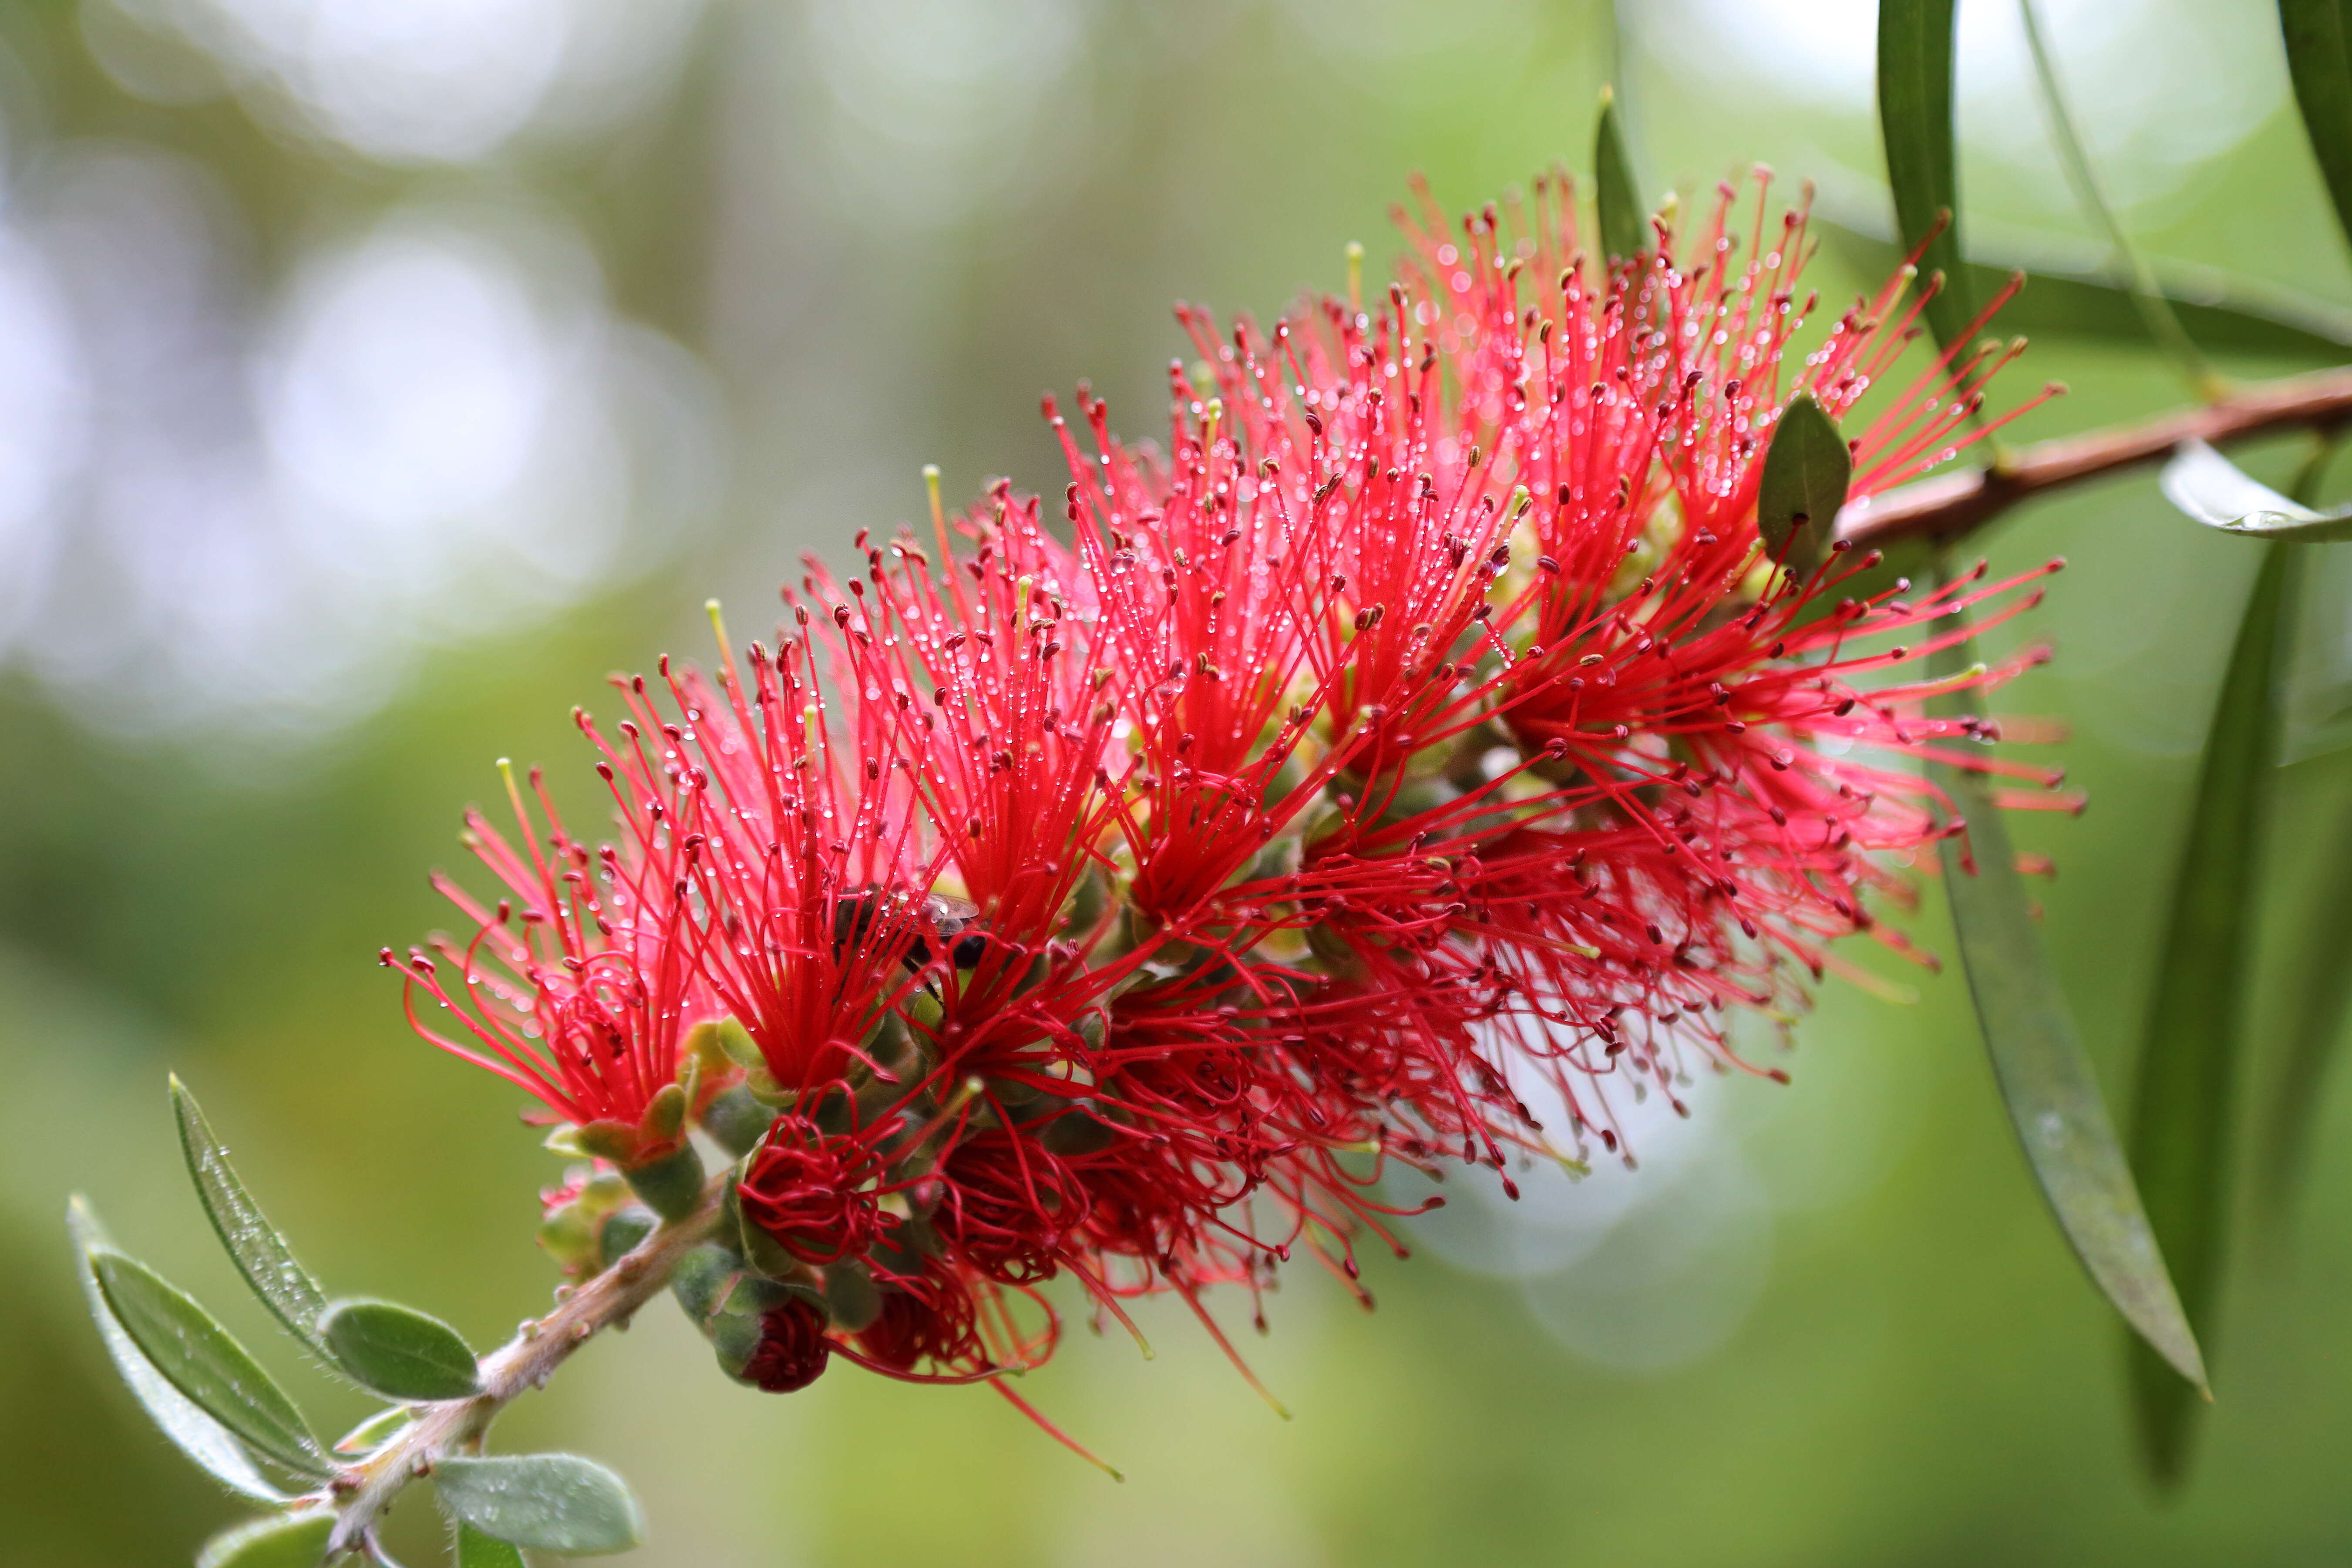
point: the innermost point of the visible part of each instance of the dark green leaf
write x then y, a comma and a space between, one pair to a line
2065, 296
1624, 229
197, 1435
2319, 57
398, 1352
281, 1541
2045, 1077
560, 1503
267, 1263
203, 1361
2319, 999
476, 1550
2188, 1052
2215, 492
1915, 120
1806, 470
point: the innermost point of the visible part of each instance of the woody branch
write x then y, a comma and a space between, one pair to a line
1950, 505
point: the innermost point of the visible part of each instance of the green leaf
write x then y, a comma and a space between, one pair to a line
2320, 999
1914, 121
1806, 470
2045, 1078
2188, 1052
198, 1435
281, 1541
560, 1503
398, 1352
2066, 296
1624, 230
475, 1550
204, 1362
2132, 273
376, 1431
2208, 487
2320, 58
284, 1286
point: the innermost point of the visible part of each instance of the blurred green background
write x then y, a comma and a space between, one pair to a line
374, 378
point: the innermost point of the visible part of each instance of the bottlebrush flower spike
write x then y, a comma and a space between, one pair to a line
1424, 739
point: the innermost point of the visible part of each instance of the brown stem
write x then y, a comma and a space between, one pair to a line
1949, 505
361, 1494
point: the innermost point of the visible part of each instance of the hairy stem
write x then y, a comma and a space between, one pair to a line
1950, 505
361, 1493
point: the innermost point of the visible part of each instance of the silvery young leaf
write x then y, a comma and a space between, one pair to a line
398, 1352
281, 1541
2065, 296
2320, 58
475, 1550
560, 1503
371, 1433
1625, 232
1914, 121
2045, 1078
1806, 470
203, 1361
2190, 1046
2208, 487
284, 1286
195, 1434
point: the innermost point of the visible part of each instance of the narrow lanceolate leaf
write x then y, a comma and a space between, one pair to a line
2190, 1050
282, 1540
1806, 470
475, 1550
558, 1502
1914, 121
1624, 229
398, 1352
202, 1361
2319, 57
284, 1286
195, 1434
2319, 1001
2045, 1077
2215, 492
2065, 296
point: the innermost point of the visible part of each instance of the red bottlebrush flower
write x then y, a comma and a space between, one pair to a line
792, 1350
1424, 729
813, 1193
579, 988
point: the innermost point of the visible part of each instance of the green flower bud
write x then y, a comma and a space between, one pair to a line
703, 1278
736, 1120
671, 1185
851, 1299
622, 1230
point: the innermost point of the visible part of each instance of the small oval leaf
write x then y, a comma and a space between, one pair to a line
282, 1540
1914, 121
261, 1253
2191, 1045
198, 1435
1806, 471
2210, 489
2319, 59
2045, 1077
204, 1362
558, 1502
398, 1352
1625, 232
475, 1550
